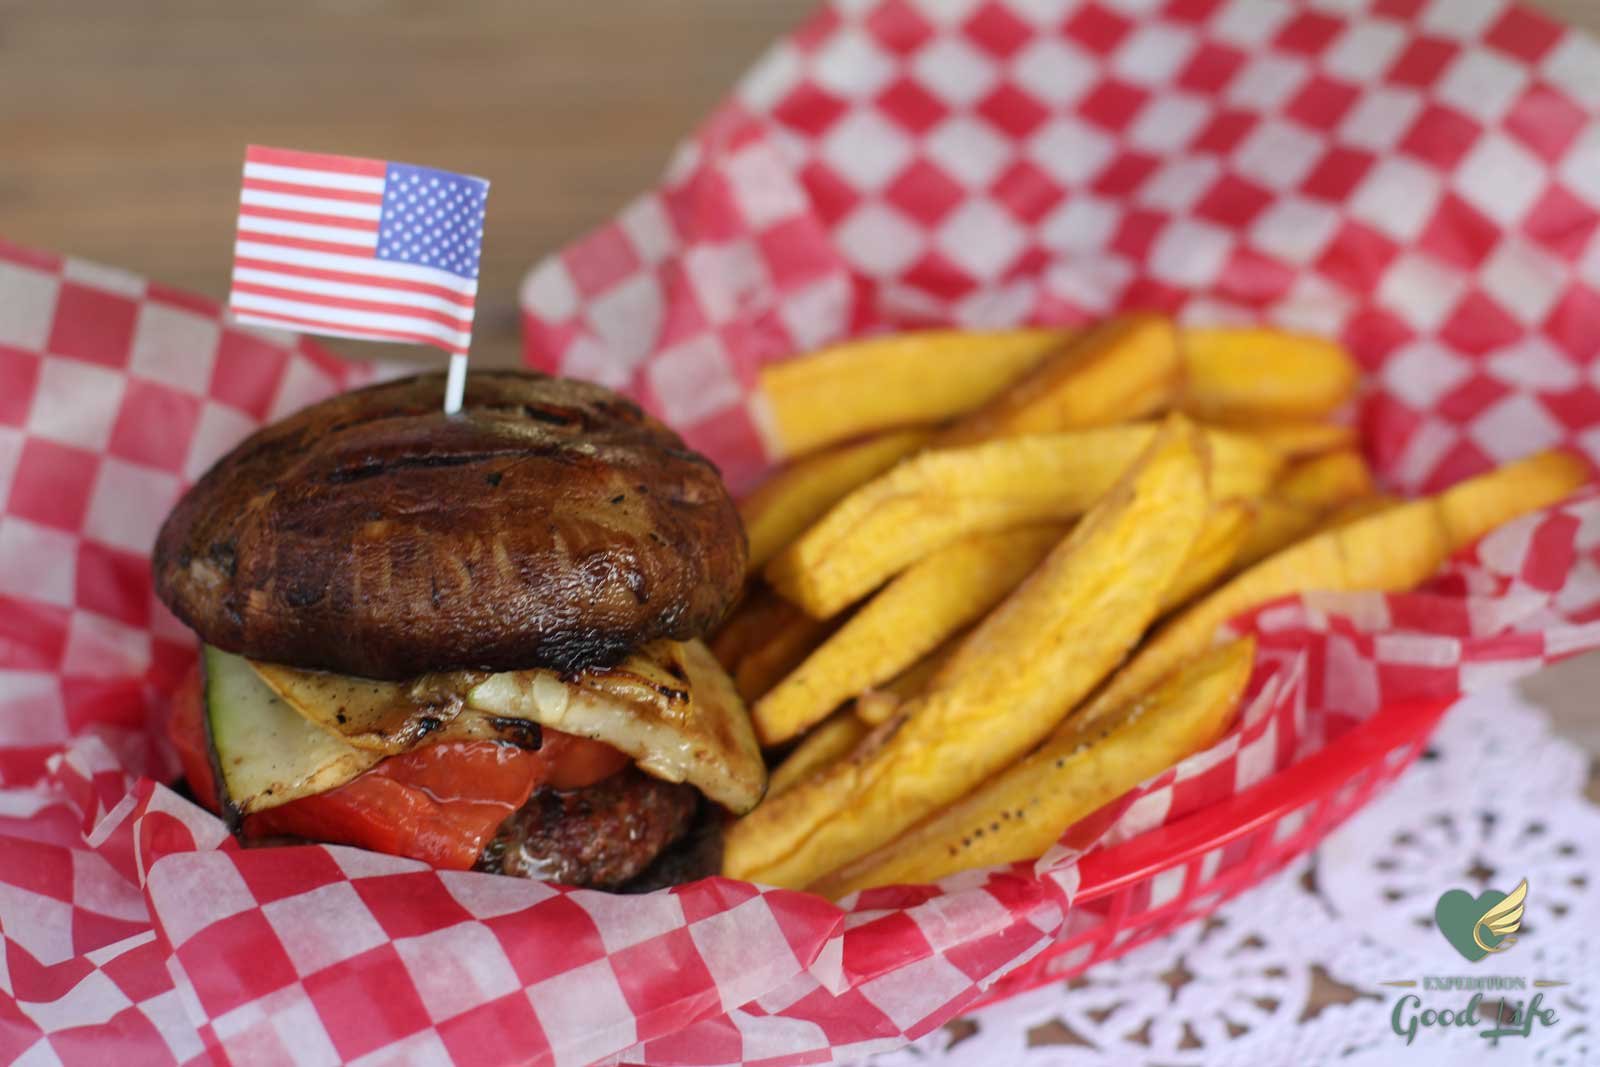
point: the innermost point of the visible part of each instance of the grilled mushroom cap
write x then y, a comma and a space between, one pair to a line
551, 524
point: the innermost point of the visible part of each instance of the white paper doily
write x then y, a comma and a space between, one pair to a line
1496, 799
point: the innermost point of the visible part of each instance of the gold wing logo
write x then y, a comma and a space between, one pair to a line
1501, 921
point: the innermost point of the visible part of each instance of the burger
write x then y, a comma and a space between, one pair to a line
471, 639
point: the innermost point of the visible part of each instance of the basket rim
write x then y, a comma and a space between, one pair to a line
1103, 872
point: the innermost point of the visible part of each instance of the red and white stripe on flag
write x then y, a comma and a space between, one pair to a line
358, 248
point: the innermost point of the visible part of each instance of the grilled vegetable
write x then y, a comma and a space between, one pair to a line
268, 755
669, 706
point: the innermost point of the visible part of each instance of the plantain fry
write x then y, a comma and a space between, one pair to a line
1212, 555
1023, 811
1296, 440
762, 667
930, 500
1278, 525
1302, 500
1068, 624
1471, 508
1263, 374
877, 705
1359, 508
907, 379
757, 619
1125, 368
872, 708
826, 743
763, 640
928, 602
789, 501
926, 747
829, 742
1395, 549
1326, 481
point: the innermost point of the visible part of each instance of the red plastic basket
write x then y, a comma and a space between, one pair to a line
1147, 887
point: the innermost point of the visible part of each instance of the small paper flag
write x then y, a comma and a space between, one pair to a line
358, 248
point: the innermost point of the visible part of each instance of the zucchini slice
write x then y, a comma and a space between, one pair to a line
266, 753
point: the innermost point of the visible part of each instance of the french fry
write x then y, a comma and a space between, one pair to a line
1212, 555
1359, 508
1297, 440
930, 500
906, 379
1007, 686
829, 742
1263, 374
761, 667
757, 619
926, 603
789, 501
1326, 481
1471, 508
1020, 813
878, 705
872, 708
1278, 525
763, 640
1393, 550
833, 738
1123, 369
1302, 499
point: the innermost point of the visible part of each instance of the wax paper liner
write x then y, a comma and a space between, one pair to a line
1418, 179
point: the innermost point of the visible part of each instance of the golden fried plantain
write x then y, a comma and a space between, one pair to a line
932, 499
1062, 630
876, 383
1021, 812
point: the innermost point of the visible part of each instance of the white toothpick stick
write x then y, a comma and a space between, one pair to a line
455, 383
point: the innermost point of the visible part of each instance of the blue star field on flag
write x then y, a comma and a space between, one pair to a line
432, 218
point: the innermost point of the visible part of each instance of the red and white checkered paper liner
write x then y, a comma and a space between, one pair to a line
1420, 179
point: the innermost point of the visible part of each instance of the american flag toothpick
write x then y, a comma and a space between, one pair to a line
360, 248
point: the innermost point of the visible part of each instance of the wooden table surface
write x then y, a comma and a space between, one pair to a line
124, 123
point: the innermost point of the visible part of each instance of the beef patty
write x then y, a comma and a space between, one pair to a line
601, 836
551, 524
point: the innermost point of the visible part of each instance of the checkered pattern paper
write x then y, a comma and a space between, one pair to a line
1420, 178
1416, 178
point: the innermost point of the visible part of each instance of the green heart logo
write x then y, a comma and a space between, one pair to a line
1477, 927
1457, 914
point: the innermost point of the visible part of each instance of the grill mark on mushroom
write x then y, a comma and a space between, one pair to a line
570, 544
377, 468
